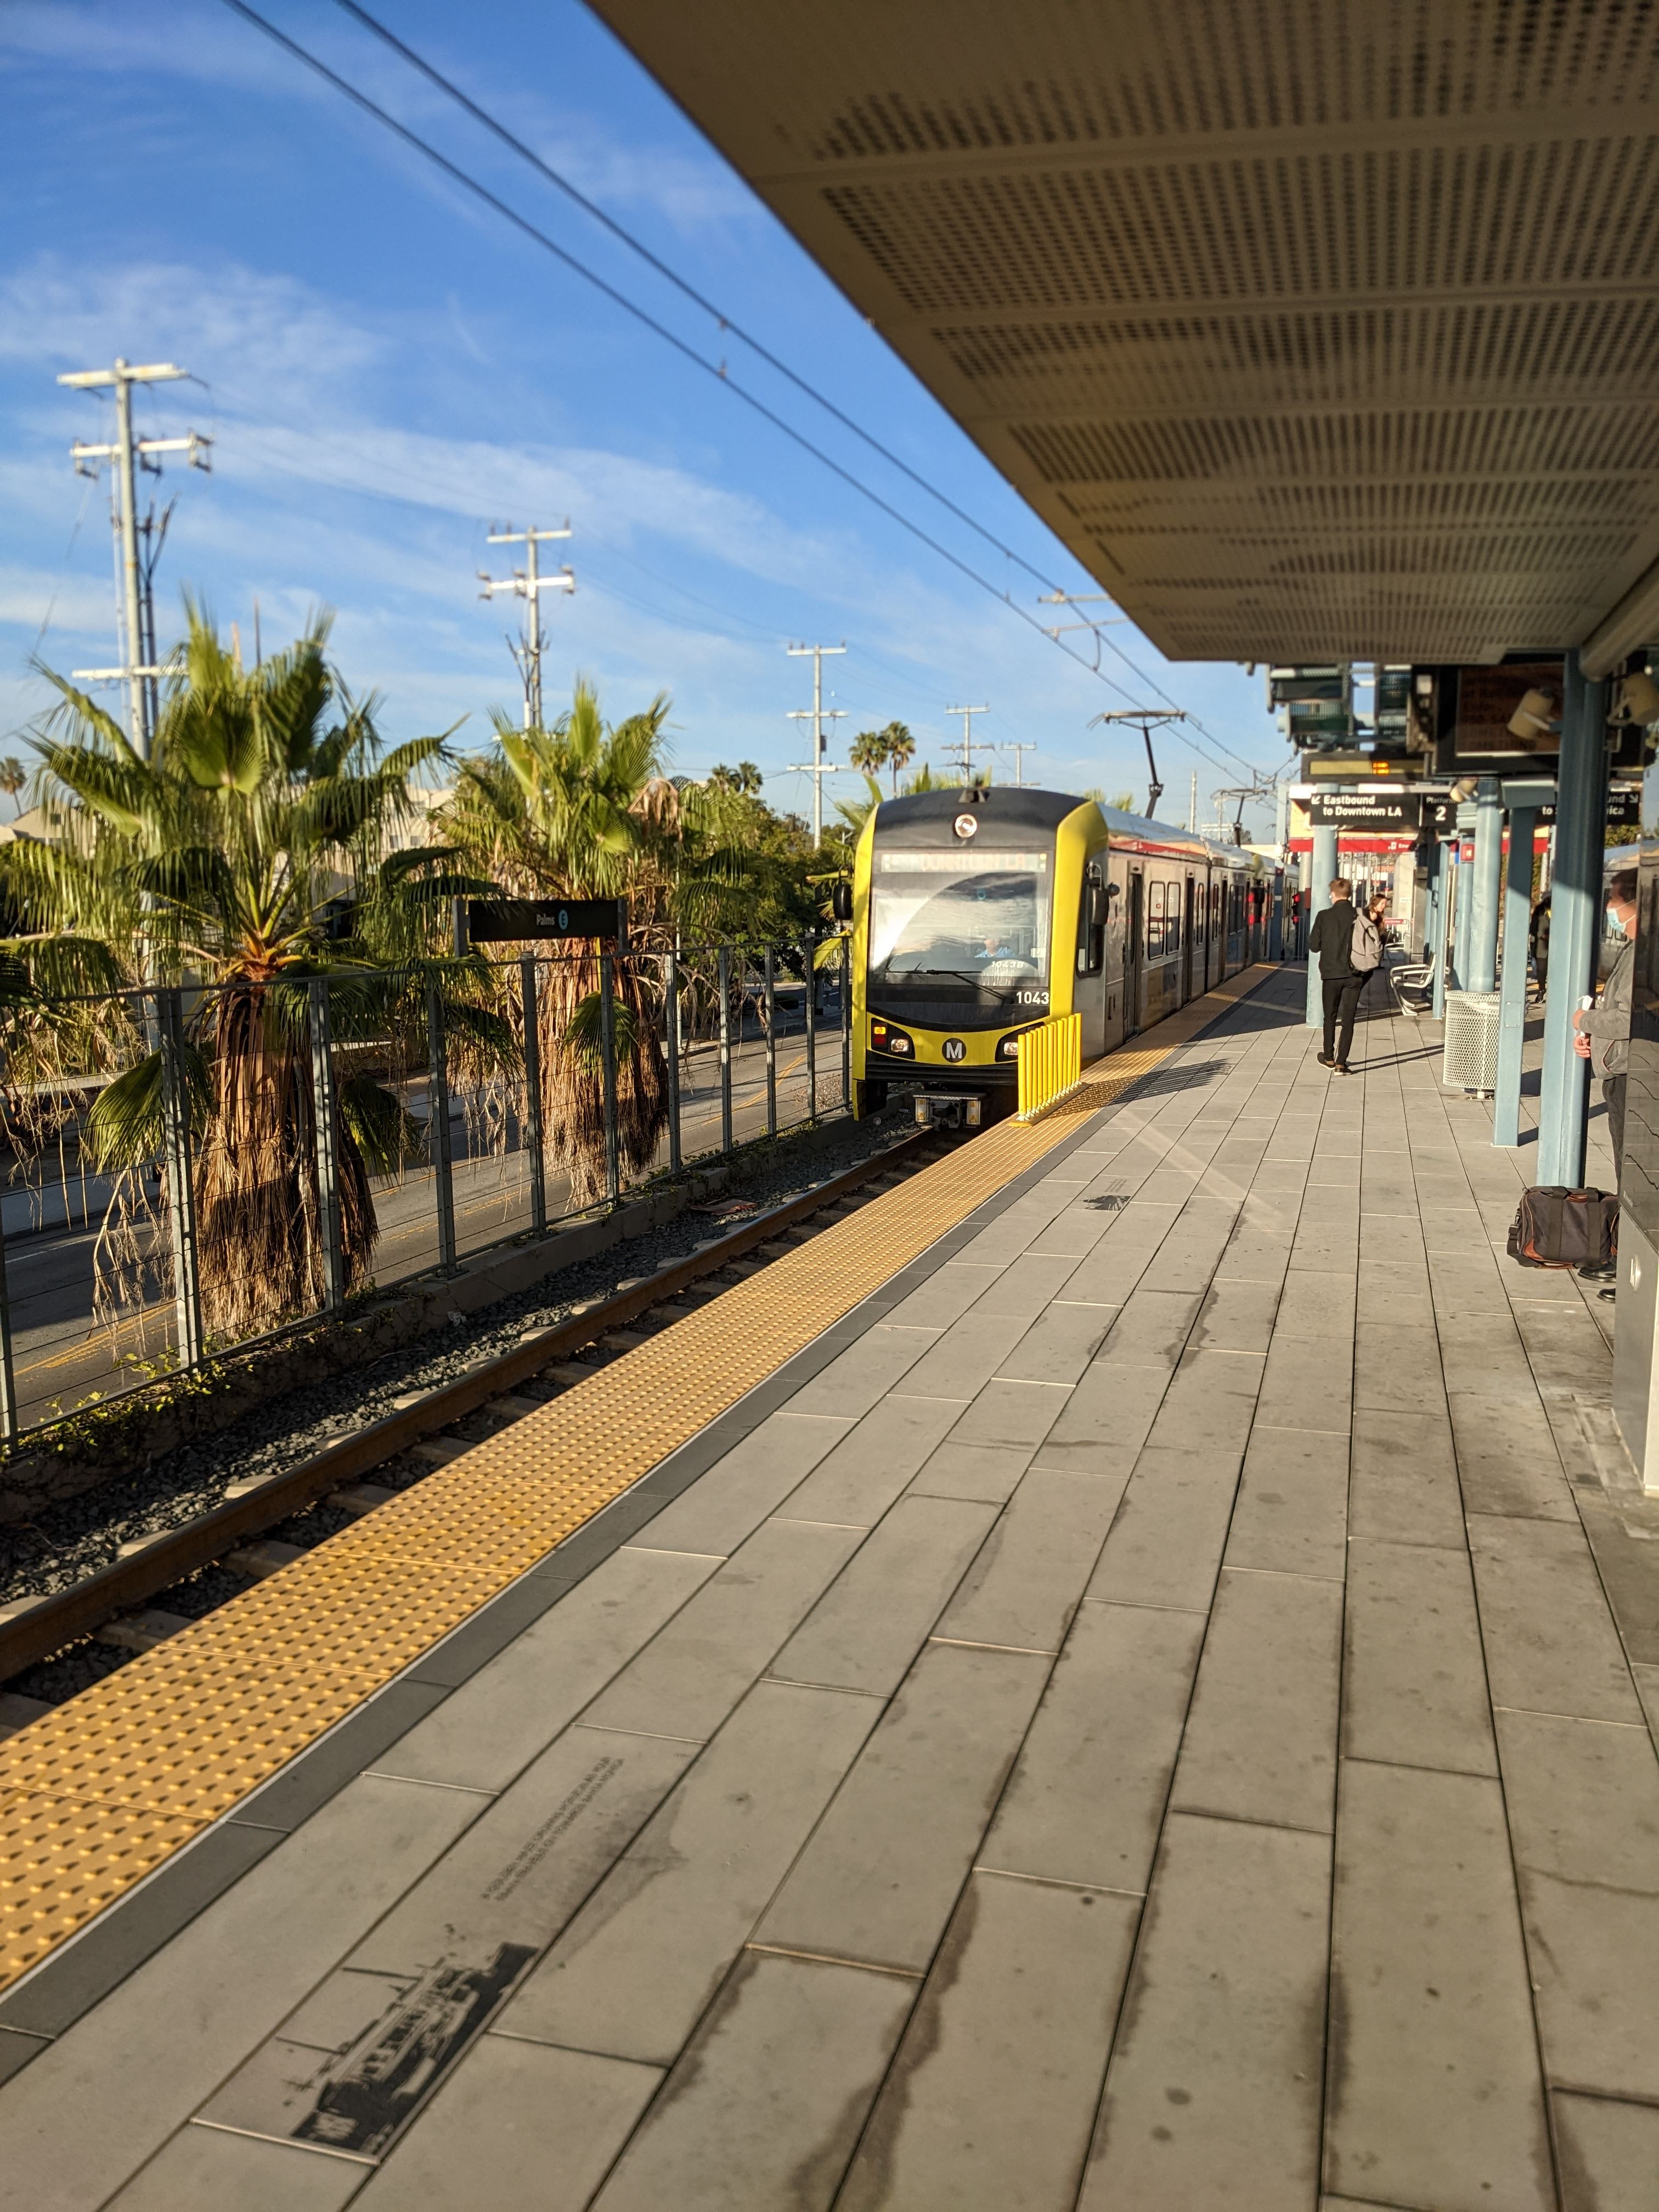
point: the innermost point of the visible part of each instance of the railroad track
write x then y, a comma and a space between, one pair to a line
112, 1606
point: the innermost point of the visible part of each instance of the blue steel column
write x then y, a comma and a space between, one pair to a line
1445, 881
1522, 800
1323, 866
1581, 809
1481, 966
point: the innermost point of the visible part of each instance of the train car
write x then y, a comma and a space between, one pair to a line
977, 912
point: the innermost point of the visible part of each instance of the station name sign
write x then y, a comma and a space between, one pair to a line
1400, 812
509, 921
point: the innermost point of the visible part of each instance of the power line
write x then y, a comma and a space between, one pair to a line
562, 183
482, 193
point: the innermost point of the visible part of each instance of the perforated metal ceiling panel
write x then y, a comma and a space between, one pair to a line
1315, 328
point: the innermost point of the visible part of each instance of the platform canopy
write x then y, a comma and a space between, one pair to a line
1314, 328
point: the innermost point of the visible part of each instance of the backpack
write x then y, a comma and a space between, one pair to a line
1365, 952
1555, 1227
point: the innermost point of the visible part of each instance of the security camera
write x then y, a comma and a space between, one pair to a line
1531, 719
1637, 699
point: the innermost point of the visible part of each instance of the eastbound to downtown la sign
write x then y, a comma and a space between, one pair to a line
1400, 812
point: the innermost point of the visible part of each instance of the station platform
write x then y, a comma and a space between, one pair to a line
1114, 1679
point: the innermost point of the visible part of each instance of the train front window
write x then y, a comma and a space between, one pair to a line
977, 918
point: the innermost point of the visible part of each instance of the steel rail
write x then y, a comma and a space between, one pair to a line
62, 1617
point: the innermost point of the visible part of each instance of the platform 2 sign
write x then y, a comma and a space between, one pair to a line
511, 921
1399, 813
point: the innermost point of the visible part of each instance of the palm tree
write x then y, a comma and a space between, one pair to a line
259, 846
13, 776
868, 752
585, 809
900, 748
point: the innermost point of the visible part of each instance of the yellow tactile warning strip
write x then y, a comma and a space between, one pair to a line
96, 1795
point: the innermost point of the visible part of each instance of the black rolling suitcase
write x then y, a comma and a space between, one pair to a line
1555, 1227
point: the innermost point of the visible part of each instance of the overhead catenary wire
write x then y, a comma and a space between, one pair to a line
482, 193
498, 130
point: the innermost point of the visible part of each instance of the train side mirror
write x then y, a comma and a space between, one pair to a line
841, 902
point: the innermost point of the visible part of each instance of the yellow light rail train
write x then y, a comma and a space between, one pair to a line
977, 912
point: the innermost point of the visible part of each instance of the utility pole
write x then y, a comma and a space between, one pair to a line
1191, 805
970, 746
817, 716
528, 584
138, 670
1019, 747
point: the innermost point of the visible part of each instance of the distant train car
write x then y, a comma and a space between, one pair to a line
978, 912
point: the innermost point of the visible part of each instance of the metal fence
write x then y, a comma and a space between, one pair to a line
520, 1095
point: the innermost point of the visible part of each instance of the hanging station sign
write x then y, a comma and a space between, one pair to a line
1397, 813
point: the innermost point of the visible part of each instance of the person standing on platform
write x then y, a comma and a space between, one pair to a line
1539, 931
1603, 1029
1331, 942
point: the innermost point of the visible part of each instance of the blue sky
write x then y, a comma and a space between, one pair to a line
386, 369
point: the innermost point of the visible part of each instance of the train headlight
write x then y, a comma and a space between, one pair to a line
1008, 1048
883, 1037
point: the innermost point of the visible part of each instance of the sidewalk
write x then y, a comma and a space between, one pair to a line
1156, 1722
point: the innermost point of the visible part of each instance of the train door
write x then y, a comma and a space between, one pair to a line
1189, 951
1118, 937
1134, 961
1089, 982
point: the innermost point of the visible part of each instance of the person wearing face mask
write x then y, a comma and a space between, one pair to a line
1603, 1030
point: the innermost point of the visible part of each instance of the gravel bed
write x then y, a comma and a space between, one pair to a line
71, 1540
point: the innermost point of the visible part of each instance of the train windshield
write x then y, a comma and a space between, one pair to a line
979, 918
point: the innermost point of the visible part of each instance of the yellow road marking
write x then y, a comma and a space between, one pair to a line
98, 1793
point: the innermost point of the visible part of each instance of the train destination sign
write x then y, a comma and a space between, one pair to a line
506, 921
1399, 812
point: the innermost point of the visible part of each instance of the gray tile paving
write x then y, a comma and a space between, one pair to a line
1434, 2094
765, 2107
1213, 2096
631, 1975
1609, 2154
519, 2127
877, 1881
204, 2170
881, 1927
992, 2094
690, 1676
1086, 1798
1261, 1738
489, 1730
867, 1628
1027, 1576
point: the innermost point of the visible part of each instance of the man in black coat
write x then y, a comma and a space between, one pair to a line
1332, 943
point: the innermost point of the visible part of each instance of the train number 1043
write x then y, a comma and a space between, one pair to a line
1033, 998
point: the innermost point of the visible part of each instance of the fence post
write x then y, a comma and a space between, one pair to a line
810, 973
723, 963
181, 1195
437, 1127
671, 968
771, 1042
532, 1094
325, 1136
9, 1421
608, 1052
846, 1021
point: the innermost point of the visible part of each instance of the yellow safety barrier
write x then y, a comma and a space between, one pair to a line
1050, 1064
